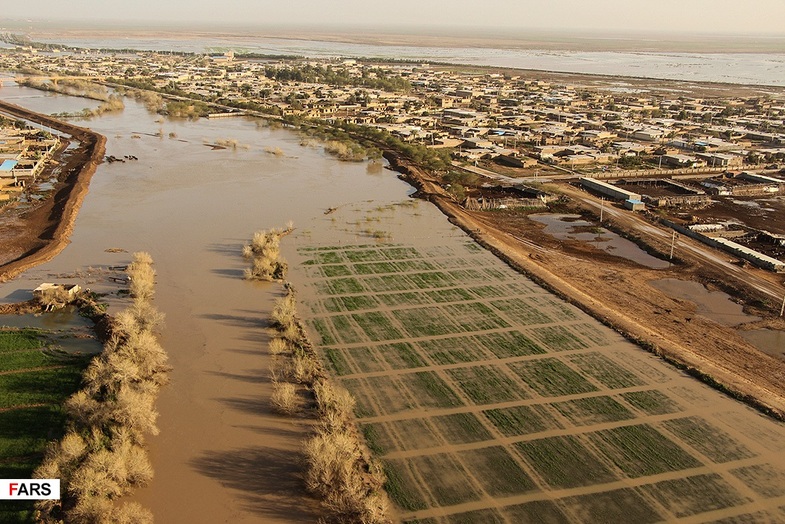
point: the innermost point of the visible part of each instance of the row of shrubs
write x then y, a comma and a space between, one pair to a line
339, 468
102, 456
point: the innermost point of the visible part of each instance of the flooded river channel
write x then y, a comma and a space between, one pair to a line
221, 455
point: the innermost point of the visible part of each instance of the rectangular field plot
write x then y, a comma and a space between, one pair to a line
354, 360
44, 386
402, 485
363, 255
486, 516
411, 266
461, 428
557, 338
377, 326
343, 286
337, 270
557, 309
605, 371
446, 480
425, 322
486, 384
401, 355
641, 450
693, 495
400, 253
652, 402
508, 344
384, 283
521, 312
539, 511
564, 462
430, 390
497, 471
764, 479
400, 435
372, 268
593, 410
551, 377
322, 327
411, 298
344, 330
377, 396
453, 350
521, 420
489, 292
712, 442
431, 280
449, 295
473, 316
623, 505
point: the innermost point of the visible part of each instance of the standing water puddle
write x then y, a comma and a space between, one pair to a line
65, 327
719, 307
573, 227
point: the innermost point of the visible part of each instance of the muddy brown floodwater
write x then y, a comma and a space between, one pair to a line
222, 455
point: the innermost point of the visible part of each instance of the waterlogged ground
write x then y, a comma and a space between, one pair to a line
491, 400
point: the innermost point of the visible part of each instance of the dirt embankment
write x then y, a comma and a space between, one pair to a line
38, 234
617, 293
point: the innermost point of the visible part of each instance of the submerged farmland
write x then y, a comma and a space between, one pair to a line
491, 400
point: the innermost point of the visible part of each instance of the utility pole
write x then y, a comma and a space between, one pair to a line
782, 309
673, 243
602, 208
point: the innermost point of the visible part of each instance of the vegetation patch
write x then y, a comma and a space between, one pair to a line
408, 434
430, 280
521, 420
641, 450
461, 428
564, 462
622, 505
402, 488
541, 511
430, 390
486, 384
377, 326
652, 402
345, 329
509, 344
764, 479
449, 295
447, 481
558, 338
336, 270
550, 377
452, 350
520, 312
344, 286
605, 371
364, 255
486, 516
338, 361
321, 326
407, 299
384, 283
401, 356
497, 471
593, 410
473, 316
425, 322
709, 440
374, 268
693, 495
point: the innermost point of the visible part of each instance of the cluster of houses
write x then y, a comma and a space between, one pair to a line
23, 155
517, 119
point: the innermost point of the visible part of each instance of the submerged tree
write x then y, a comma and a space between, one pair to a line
265, 255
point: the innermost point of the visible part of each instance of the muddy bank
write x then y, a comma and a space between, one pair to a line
39, 234
619, 296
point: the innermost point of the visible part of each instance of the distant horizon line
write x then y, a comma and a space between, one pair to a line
445, 30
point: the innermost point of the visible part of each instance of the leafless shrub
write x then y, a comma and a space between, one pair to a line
284, 398
278, 346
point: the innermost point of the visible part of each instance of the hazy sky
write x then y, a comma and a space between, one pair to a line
714, 16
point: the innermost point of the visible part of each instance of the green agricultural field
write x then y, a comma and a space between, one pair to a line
34, 382
488, 399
